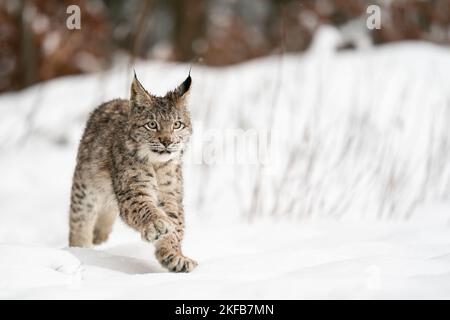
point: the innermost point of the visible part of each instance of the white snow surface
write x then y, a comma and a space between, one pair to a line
354, 203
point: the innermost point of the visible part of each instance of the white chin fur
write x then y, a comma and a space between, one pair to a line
149, 155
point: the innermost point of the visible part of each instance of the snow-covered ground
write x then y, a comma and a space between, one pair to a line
264, 260
350, 201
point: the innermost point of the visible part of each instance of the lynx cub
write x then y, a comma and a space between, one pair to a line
129, 164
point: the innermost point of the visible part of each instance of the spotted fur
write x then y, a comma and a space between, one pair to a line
129, 163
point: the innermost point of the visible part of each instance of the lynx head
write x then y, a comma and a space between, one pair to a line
159, 127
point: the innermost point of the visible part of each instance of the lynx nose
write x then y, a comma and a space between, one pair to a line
165, 142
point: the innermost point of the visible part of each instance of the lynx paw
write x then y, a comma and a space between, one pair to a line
100, 237
179, 263
174, 260
157, 228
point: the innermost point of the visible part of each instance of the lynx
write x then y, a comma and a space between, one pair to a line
129, 164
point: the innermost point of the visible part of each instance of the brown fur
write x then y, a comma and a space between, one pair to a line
126, 167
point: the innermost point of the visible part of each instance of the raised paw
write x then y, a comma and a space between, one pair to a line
157, 228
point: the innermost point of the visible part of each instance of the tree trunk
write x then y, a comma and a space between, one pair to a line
190, 27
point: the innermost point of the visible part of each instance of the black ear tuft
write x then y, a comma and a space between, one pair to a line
185, 86
180, 93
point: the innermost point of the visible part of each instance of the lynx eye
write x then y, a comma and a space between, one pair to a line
177, 125
152, 125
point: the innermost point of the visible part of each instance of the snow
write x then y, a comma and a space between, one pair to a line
264, 260
351, 201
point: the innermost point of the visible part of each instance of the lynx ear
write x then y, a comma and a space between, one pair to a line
180, 94
139, 96
183, 88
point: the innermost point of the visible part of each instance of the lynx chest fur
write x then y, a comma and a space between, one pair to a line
129, 164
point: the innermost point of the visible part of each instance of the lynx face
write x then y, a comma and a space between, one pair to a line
160, 127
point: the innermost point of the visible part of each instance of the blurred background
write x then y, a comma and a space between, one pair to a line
36, 45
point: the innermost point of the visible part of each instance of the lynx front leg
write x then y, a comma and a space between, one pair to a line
142, 215
168, 249
168, 252
138, 205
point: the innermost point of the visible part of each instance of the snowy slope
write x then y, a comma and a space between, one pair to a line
351, 202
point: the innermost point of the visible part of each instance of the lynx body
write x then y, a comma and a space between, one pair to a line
129, 164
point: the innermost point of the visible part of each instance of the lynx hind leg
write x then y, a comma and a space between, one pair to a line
168, 252
83, 214
104, 224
